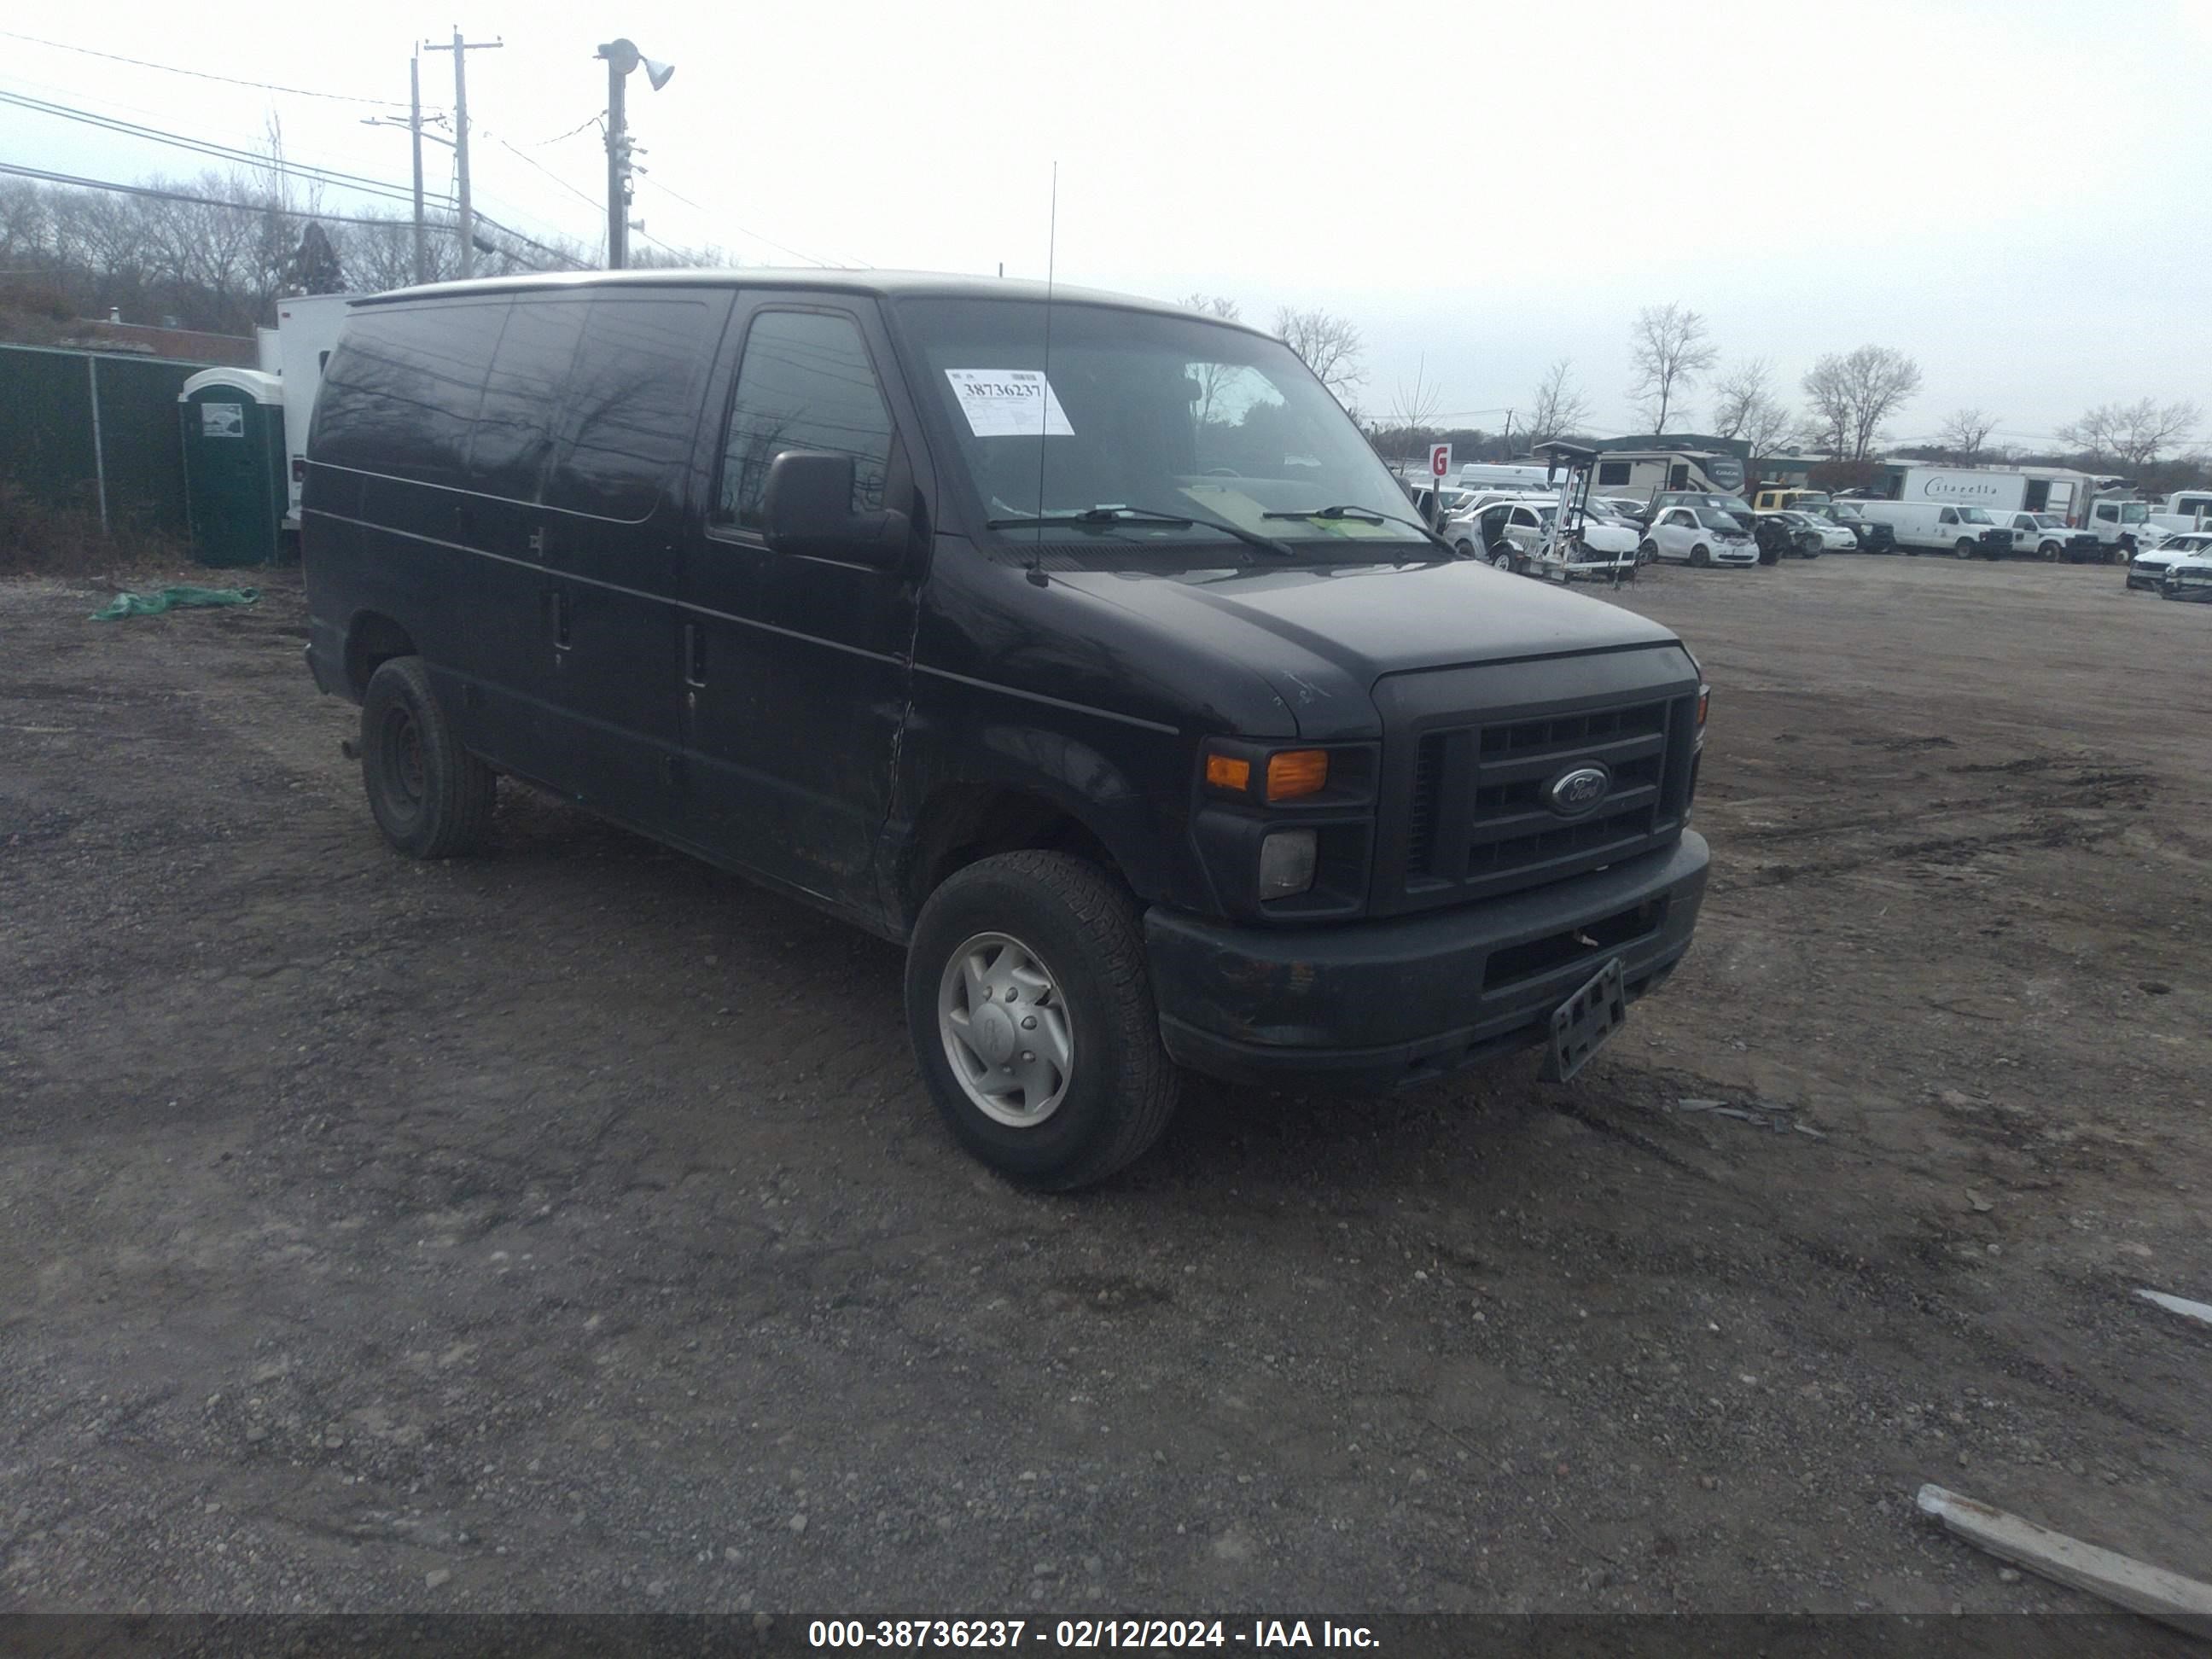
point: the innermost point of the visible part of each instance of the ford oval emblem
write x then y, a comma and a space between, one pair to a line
1573, 793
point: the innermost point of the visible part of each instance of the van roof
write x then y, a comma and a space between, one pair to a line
884, 284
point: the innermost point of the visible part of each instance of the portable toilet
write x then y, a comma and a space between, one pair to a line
233, 423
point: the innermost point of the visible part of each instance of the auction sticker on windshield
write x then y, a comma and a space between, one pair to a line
1009, 403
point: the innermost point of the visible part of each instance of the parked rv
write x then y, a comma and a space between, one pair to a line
1645, 474
1155, 746
1929, 527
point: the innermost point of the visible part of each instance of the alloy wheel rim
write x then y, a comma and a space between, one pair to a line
1004, 1022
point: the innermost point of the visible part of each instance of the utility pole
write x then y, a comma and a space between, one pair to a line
618, 186
415, 132
621, 56
461, 49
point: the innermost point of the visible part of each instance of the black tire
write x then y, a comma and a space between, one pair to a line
430, 796
2051, 551
1503, 556
1648, 554
1701, 555
1083, 926
1964, 547
1464, 548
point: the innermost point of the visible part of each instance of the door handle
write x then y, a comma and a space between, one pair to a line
557, 604
695, 655
538, 542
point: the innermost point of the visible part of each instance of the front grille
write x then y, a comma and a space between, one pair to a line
1479, 822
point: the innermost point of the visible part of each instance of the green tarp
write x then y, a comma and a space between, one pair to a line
171, 599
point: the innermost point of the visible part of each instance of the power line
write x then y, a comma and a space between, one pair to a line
204, 75
205, 147
73, 181
524, 156
740, 228
589, 120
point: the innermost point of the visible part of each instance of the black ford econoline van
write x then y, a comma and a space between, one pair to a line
1079, 644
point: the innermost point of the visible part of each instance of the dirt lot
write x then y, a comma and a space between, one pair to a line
566, 1230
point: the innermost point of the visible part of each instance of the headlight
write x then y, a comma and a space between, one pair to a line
1287, 859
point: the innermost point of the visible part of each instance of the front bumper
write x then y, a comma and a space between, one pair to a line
1374, 1006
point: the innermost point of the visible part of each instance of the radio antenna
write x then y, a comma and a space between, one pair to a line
1044, 403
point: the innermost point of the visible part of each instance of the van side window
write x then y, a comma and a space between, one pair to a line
632, 405
409, 380
804, 383
522, 395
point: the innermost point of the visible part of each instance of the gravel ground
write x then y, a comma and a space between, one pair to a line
566, 1230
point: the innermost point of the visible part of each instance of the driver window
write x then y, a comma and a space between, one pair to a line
806, 382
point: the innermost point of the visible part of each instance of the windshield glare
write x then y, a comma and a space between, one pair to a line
1163, 412
2134, 513
1975, 515
1713, 519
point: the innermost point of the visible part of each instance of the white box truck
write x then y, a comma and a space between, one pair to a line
307, 327
2056, 490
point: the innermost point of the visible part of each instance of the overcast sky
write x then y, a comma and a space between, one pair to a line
2013, 191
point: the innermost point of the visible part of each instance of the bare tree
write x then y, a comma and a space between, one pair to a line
1329, 344
2131, 433
1966, 435
1766, 426
1853, 393
1738, 392
1212, 377
1668, 350
1557, 406
1416, 405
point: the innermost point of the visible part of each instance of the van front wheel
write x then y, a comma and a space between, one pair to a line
1965, 549
430, 796
1030, 1007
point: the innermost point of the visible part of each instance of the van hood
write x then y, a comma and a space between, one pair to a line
1321, 635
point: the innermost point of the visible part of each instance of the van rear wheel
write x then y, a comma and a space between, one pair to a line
1030, 1003
429, 795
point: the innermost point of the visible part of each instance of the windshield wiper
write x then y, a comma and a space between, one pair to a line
1108, 514
1366, 515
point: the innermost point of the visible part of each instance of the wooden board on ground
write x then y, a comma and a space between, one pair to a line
2185, 1603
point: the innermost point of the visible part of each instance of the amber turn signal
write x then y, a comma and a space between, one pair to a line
1222, 772
1296, 772
1705, 696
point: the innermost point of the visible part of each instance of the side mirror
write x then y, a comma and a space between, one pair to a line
809, 510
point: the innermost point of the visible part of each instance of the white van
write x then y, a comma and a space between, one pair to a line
1940, 527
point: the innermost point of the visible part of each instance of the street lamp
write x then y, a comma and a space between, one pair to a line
622, 57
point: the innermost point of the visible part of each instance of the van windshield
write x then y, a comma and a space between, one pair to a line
1171, 414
